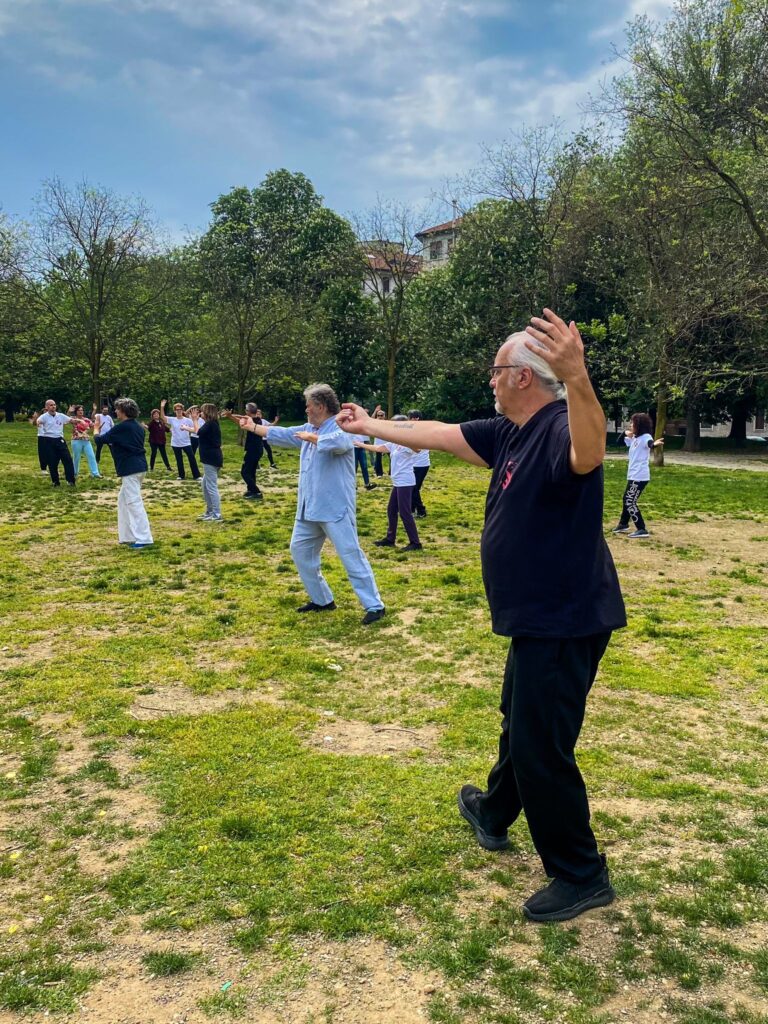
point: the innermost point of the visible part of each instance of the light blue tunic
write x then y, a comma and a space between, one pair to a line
326, 470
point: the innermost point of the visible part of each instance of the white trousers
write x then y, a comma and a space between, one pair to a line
132, 521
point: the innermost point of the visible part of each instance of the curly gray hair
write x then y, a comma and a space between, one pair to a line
323, 394
128, 407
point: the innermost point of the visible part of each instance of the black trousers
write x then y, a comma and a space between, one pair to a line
419, 472
629, 507
361, 460
42, 452
543, 700
248, 471
57, 452
268, 450
154, 449
179, 455
195, 443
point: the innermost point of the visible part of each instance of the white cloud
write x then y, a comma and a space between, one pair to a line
656, 10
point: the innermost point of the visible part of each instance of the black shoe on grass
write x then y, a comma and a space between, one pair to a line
310, 606
373, 616
560, 901
384, 543
467, 800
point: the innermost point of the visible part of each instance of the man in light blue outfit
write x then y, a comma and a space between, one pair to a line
326, 502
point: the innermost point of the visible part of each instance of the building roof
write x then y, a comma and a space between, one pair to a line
448, 226
412, 264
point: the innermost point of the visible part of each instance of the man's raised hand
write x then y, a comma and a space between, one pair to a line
353, 418
558, 344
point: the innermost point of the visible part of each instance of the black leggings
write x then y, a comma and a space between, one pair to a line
400, 503
268, 450
419, 472
42, 453
179, 454
630, 508
155, 448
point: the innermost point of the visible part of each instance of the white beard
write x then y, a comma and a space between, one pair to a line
497, 407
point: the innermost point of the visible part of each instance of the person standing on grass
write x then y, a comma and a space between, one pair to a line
267, 449
208, 429
193, 413
81, 442
401, 495
157, 431
639, 440
180, 442
253, 449
361, 459
551, 587
103, 422
326, 502
126, 439
42, 448
378, 465
421, 466
52, 424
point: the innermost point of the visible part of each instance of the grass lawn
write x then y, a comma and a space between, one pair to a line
212, 808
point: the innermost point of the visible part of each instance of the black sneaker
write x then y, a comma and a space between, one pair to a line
467, 800
384, 543
370, 487
639, 533
310, 606
560, 901
421, 515
413, 547
253, 497
620, 529
373, 616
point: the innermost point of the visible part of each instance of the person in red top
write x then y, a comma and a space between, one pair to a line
81, 441
157, 431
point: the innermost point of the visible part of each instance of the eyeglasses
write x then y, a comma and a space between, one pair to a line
494, 371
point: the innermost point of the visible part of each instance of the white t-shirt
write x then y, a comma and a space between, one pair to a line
104, 422
401, 467
52, 426
422, 459
639, 457
179, 437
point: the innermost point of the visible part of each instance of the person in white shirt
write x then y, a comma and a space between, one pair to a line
420, 470
640, 442
52, 424
401, 495
104, 422
42, 450
180, 442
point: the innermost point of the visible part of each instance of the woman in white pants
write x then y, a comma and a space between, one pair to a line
126, 439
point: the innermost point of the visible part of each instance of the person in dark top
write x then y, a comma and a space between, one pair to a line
126, 440
208, 430
252, 452
157, 431
551, 587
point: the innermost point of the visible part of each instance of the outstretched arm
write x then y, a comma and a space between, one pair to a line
441, 437
561, 346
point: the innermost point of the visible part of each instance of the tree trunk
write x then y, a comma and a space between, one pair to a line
692, 426
739, 417
10, 408
391, 364
661, 425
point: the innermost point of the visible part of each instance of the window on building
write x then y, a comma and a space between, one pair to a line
450, 245
385, 282
436, 251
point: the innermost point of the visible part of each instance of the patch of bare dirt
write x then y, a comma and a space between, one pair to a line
180, 700
339, 736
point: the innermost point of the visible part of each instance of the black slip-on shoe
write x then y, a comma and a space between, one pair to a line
385, 542
561, 901
413, 547
310, 606
467, 800
373, 616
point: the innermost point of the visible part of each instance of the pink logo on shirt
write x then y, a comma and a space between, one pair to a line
509, 472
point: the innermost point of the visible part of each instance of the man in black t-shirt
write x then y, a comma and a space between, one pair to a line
551, 587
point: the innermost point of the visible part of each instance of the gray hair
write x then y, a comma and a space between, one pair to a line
323, 394
521, 355
251, 407
128, 406
399, 417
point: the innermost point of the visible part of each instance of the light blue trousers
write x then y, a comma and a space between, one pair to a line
80, 447
306, 543
211, 489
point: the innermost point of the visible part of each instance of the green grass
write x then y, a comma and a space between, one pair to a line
245, 824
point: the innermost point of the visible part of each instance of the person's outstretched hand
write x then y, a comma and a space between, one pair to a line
353, 418
558, 344
246, 423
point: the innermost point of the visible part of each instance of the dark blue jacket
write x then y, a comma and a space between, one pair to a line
126, 439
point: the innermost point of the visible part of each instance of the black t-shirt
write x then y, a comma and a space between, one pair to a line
210, 444
254, 444
546, 567
126, 439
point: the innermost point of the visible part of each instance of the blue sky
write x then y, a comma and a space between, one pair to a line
179, 100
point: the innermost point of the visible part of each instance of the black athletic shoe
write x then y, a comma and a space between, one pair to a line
384, 543
370, 487
469, 810
421, 515
310, 606
253, 497
373, 616
560, 901
620, 529
413, 547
